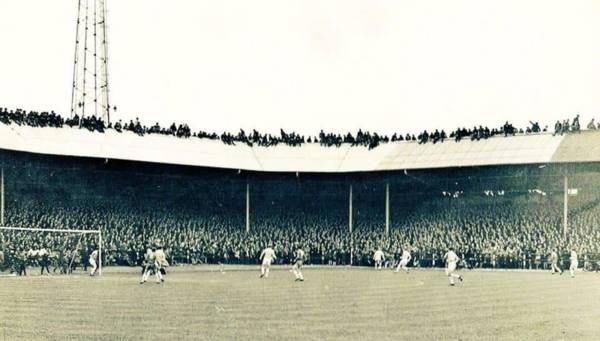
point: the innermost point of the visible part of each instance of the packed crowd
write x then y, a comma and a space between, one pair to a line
361, 138
478, 133
488, 232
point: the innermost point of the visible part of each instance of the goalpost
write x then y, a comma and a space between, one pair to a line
98, 234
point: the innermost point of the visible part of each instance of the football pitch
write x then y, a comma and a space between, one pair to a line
202, 303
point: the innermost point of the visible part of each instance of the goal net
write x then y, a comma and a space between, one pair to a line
36, 251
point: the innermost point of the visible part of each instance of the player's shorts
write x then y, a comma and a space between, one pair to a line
92, 262
403, 263
299, 264
574, 265
267, 261
451, 267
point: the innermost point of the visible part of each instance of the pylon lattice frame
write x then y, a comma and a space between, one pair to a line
90, 93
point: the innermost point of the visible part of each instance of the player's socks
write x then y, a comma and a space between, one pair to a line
262, 271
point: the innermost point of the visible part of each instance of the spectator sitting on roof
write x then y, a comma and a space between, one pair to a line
591, 125
558, 130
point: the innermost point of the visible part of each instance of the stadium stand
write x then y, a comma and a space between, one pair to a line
495, 195
501, 216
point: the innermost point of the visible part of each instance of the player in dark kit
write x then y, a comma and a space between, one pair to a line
21, 267
44, 260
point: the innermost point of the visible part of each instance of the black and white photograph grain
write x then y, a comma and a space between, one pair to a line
299, 170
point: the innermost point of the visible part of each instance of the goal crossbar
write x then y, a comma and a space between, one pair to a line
47, 230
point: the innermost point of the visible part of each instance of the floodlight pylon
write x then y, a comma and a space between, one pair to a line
90, 92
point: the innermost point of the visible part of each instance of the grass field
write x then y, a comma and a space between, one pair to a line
332, 304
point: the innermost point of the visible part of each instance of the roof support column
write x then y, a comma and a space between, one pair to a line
350, 210
566, 208
387, 209
2, 196
247, 207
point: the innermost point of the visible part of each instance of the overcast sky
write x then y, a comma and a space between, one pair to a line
385, 65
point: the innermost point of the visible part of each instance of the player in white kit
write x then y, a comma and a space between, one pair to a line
267, 256
574, 263
151, 265
554, 262
299, 256
94, 262
406, 257
161, 261
378, 257
451, 262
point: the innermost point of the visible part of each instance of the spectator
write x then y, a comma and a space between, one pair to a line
591, 125
362, 138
